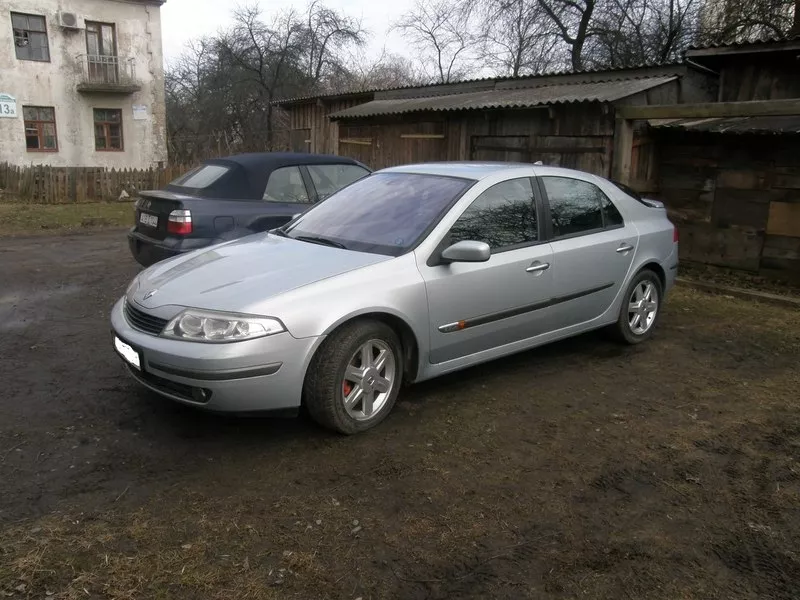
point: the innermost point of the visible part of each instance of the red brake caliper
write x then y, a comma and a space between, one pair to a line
347, 387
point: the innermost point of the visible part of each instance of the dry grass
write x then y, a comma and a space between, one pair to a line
26, 219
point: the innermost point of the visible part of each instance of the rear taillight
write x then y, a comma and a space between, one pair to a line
675, 235
180, 222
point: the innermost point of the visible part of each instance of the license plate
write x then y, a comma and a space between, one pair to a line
128, 353
149, 220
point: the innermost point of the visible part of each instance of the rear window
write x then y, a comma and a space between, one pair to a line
201, 177
331, 178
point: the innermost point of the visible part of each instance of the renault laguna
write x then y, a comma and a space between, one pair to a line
402, 276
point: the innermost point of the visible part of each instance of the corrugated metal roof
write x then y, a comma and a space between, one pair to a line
620, 71
772, 39
737, 125
595, 91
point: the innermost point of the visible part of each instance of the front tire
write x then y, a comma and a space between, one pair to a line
640, 310
354, 378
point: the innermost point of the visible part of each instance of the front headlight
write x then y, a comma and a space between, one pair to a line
132, 286
216, 327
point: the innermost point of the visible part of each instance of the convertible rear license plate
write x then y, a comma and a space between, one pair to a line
149, 220
128, 353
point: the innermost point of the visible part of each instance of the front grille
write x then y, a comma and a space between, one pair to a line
186, 392
142, 321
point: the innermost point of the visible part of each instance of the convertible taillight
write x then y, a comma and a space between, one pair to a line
180, 222
675, 235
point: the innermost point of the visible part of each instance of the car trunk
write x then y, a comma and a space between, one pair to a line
152, 212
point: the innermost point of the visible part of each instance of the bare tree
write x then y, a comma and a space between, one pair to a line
519, 38
441, 31
634, 32
388, 70
328, 33
742, 20
572, 19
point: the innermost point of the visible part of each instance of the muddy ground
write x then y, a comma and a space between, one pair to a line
580, 470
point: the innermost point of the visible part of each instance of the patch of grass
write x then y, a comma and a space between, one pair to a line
26, 219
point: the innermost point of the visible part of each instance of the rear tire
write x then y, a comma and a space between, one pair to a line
354, 378
640, 310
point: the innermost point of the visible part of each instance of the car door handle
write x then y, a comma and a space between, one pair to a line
625, 248
537, 267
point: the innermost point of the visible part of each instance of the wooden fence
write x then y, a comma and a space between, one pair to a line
66, 185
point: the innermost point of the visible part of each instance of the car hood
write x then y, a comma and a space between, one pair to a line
239, 275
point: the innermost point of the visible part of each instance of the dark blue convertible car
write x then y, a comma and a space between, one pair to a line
227, 198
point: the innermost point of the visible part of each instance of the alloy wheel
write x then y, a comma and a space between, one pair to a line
369, 379
642, 307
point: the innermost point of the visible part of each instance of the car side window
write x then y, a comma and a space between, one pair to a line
611, 216
286, 185
578, 206
331, 178
502, 216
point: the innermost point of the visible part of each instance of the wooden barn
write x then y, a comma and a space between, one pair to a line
717, 138
565, 119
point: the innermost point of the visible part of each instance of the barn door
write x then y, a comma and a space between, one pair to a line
589, 154
300, 140
358, 142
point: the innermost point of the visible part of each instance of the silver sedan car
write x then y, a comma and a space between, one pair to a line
407, 274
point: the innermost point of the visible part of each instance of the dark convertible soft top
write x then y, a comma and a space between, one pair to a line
247, 174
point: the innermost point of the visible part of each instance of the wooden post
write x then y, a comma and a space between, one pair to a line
623, 149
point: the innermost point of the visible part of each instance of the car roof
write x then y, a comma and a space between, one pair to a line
477, 170
274, 160
248, 173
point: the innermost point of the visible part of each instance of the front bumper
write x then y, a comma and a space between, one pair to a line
148, 251
261, 375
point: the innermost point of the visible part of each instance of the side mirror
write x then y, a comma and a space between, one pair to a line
467, 251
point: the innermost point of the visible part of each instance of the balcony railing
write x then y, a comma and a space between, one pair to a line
108, 74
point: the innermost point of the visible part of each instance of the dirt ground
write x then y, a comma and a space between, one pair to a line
580, 470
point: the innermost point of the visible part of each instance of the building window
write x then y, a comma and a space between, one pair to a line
30, 37
101, 48
108, 129
40, 128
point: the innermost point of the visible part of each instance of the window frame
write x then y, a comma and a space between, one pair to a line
99, 32
39, 129
549, 219
310, 181
435, 257
46, 33
106, 125
311, 192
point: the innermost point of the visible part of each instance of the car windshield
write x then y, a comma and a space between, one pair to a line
384, 213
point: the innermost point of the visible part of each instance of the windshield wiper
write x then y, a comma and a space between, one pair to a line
280, 232
320, 240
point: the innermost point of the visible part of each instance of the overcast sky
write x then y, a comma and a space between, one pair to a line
183, 20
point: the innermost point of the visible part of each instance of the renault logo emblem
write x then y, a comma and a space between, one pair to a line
150, 294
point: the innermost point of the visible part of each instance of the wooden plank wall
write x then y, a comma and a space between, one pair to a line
313, 117
383, 144
64, 185
564, 128
736, 198
760, 78
401, 139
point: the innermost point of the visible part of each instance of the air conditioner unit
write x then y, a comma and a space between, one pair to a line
69, 20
